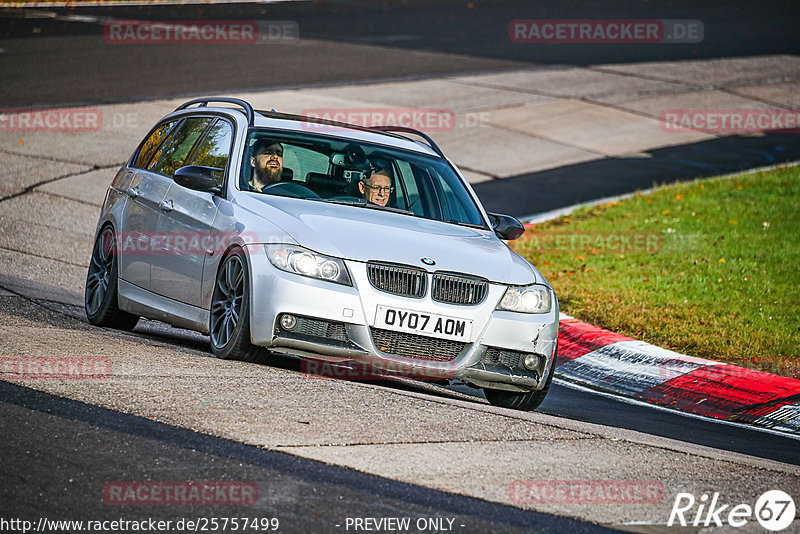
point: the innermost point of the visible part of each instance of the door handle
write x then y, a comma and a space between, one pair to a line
166, 205
132, 192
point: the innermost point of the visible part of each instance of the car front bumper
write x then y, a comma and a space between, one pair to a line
337, 323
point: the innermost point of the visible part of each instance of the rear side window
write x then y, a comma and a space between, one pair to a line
152, 143
214, 150
173, 154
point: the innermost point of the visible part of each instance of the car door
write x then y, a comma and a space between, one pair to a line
186, 221
139, 218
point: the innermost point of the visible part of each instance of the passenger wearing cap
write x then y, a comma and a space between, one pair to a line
377, 186
267, 163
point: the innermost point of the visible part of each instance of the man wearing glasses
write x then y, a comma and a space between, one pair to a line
377, 187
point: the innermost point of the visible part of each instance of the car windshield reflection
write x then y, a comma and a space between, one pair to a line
327, 169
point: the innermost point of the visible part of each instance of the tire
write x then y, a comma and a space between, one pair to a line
101, 293
229, 315
520, 401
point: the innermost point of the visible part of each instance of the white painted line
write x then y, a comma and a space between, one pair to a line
636, 402
629, 367
648, 523
83, 18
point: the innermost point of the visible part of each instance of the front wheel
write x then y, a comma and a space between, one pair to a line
100, 297
230, 311
520, 401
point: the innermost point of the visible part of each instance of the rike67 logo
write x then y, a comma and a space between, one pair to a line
774, 510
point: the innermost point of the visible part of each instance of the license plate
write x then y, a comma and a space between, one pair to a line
424, 324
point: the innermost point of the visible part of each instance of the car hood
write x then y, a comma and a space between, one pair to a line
363, 234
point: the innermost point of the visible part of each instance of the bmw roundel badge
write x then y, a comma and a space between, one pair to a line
428, 261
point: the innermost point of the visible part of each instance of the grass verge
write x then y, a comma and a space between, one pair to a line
709, 268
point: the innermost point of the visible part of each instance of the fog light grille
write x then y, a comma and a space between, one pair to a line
511, 358
320, 328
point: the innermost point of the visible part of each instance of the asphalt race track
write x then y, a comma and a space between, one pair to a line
72, 439
57, 453
363, 40
62, 452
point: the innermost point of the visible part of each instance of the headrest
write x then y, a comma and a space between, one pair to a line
318, 178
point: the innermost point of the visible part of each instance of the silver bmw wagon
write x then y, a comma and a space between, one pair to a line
354, 246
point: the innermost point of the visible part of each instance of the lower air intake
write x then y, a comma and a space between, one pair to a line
414, 346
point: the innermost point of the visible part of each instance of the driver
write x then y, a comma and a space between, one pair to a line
377, 187
267, 163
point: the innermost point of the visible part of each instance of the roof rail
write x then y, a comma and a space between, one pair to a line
406, 129
203, 102
315, 120
384, 129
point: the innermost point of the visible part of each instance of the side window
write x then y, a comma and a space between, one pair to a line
406, 187
150, 144
453, 208
428, 199
172, 156
215, 148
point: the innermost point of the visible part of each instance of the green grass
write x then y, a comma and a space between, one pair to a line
711, 267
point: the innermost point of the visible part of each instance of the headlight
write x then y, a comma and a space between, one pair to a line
299, 260
530, 299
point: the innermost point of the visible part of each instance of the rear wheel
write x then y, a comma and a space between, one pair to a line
520, 401
230, 311
100, 297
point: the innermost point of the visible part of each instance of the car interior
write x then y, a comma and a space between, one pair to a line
316, 167
342, 170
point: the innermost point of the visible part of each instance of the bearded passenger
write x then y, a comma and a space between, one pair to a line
267, 163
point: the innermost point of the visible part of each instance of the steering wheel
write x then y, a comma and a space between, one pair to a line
289, 189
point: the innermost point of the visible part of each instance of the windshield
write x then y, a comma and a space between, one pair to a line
320, 168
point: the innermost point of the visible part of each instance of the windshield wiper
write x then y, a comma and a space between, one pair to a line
387, 208
355, 202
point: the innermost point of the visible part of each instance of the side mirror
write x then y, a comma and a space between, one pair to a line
198, 178
506, 227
